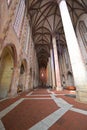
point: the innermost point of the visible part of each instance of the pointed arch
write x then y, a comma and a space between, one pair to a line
7, 64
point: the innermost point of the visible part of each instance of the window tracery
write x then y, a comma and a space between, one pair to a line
83, 33
19, 17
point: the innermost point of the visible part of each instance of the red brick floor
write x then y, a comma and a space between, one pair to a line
31, 111
71, 121
28, 113
40, 91
74, 102
38, 96
9, 101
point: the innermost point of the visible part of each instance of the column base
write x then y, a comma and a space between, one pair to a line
12, 95
59, 88
81, 96
13, 92
53, 87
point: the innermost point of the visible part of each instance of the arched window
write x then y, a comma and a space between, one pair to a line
22, 69
19, 17
83, 33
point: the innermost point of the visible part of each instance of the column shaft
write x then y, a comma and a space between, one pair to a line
52, 69
78, 67
57, 74
49, 78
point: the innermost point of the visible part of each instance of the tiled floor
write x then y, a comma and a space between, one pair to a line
43, 109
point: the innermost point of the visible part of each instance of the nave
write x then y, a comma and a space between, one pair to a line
43, 109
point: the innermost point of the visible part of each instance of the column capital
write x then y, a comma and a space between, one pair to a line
53, 34
58, 1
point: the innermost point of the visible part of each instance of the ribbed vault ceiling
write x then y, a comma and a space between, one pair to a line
46, 20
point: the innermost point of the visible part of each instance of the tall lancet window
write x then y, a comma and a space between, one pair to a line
27, 38
83, 33
19, 17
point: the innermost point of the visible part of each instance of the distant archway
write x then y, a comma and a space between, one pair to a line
43, 76
6, 71
63, 81
70, 83
70, 79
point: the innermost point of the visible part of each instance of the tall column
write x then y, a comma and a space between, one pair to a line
57, 74
78, 67
49, 78
52, 69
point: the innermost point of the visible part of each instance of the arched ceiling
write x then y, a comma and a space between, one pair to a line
45, 20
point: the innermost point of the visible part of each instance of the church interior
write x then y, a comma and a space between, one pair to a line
43, 55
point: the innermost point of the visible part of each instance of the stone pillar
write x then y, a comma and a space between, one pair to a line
78, 67
52, 69
49, 78
57, 73
14, 84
